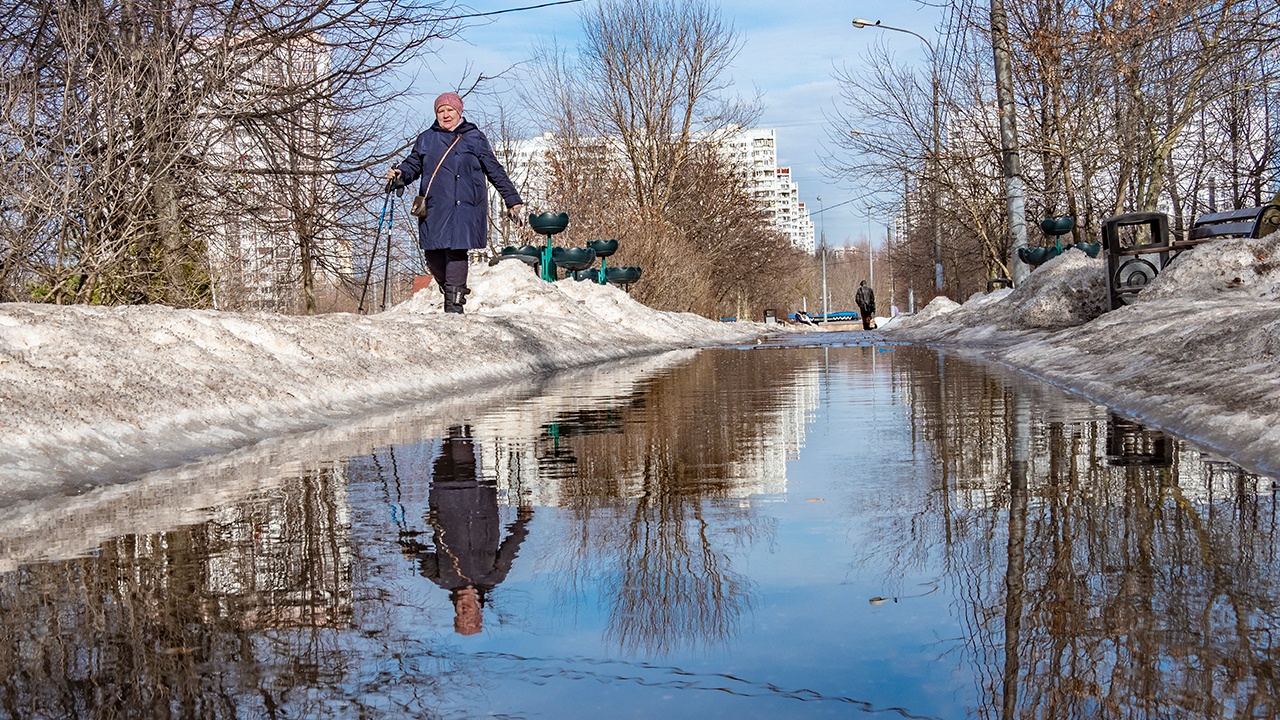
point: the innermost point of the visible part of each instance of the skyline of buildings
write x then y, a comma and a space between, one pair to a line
752, 152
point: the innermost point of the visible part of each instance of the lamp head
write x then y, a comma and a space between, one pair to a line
860, 23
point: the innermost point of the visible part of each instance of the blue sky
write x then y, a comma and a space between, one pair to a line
790, 51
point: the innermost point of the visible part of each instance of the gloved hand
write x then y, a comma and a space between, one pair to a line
393, 179
517, 214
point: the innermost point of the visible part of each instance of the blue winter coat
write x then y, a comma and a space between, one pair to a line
458, 202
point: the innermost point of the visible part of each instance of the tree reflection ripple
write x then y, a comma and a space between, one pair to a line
778, 531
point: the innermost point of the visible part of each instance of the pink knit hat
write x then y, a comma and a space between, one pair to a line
451, 99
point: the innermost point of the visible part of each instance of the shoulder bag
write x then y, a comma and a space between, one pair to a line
419, 207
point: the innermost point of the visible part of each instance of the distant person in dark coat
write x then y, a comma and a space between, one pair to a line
866, 301
469, 557
457, 200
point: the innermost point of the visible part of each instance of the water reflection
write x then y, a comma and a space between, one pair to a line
660, 508
706, 528
1137, 575
468, 555
656, 491
149, 624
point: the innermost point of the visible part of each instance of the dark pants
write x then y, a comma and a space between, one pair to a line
448, 267
866, 318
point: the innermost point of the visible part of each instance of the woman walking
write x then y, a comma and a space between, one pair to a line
451, 162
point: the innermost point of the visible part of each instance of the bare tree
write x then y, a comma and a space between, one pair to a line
1121, 107
639, 116
652, 73
883, 144
132, 124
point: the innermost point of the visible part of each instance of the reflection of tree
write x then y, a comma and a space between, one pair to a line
661, 502
248, 615
1092, 585
676, 583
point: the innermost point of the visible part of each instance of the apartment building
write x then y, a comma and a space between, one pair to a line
279, 191
752, 152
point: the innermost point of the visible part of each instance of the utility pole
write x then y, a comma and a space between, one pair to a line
871, 266
1015, 193
893, 284
937, 169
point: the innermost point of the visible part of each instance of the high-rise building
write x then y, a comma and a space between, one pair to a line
279, 191
752, 153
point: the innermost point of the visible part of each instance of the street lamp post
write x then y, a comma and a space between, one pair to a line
937, 142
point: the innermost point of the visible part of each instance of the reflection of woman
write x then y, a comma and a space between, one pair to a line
453, 157
469, 558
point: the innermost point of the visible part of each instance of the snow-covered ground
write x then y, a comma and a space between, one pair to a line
93, 394
1197, 352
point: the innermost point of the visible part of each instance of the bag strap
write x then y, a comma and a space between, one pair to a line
442, 157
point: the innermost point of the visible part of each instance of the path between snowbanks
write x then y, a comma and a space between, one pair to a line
1197, 353
109, 392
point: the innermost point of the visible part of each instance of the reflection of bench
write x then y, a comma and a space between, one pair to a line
1136, 242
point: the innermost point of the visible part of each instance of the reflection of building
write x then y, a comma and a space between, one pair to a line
796, 415
540, 471
284, 563
541, 468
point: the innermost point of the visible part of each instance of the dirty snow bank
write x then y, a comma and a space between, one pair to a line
107, 392
1195, 353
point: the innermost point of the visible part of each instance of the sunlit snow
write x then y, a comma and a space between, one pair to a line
1195, 353
92, 394
111, 392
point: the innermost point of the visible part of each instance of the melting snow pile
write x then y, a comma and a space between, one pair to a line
1069, 290
119, 390
1196, 352
1235, 269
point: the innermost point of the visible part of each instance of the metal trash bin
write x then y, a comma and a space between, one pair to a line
1127, 270
770, 316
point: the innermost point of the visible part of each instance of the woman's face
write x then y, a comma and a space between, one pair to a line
447, 117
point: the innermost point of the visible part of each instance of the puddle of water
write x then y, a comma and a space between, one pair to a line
782, 531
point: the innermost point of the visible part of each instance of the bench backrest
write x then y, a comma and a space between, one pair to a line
1245, 222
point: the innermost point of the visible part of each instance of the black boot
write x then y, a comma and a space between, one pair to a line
455, 296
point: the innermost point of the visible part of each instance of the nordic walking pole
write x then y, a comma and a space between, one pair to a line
396, 186
373, 253
386, 267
